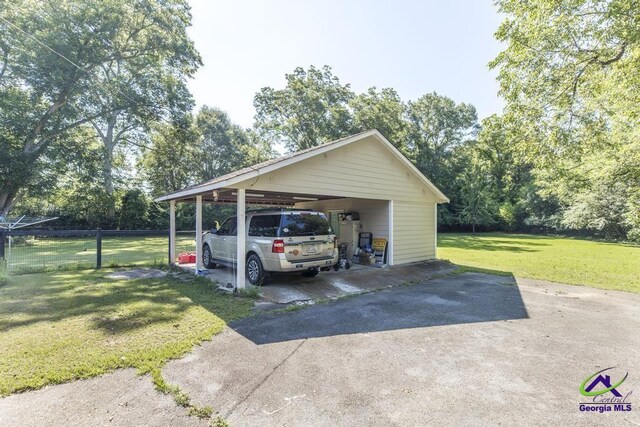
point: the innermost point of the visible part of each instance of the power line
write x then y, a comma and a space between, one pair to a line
160, 117
135, 102
42, 44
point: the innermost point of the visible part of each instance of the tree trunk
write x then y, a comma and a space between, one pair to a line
107, 176
109, 142
7, 200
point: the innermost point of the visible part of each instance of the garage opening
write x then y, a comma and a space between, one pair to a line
383, 210
362, 224
362, 230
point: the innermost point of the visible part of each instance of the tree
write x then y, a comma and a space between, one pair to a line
196, 149
225, 146
167, 165
438, 131
570, 77
568, 64
67, 187
59, 66
476, 193
382, 110
312, 109
437, 126
153, 57
509, 169
134, 211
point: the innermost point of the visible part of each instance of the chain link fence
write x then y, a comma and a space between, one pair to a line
24, 251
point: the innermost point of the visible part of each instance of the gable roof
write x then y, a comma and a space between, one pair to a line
273, 164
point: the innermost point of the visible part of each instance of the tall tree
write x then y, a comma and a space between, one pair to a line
570, 76
476, 196
569, 63
225, 146
312, 109
196, 149
437, 127
382, 110
56, 60
167, 165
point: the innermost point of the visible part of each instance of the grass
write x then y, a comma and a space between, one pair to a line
67, 325
65, 253
560, 259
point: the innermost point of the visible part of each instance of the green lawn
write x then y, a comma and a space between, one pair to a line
559, 259
59, 326
49, 253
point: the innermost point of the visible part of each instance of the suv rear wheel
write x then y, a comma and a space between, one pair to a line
207, 257
255, 271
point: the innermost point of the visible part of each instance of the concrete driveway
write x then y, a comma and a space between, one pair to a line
470, 349
293, 288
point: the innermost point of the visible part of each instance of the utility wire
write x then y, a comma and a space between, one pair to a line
31, 36
99, 83
11, 24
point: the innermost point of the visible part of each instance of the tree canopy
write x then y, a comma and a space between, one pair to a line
114, 64
97, 118
570, 74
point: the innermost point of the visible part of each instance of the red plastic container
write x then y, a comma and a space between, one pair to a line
187, 258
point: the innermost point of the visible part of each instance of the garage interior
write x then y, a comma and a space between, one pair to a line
362, 183
364, 225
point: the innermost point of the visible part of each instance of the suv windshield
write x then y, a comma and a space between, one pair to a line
304, 224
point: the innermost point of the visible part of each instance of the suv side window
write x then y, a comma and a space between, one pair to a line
228, 228
264, 225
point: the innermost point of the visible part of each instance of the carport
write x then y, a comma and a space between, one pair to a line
362, 173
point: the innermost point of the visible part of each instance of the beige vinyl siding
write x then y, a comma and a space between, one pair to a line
374, 214
364, 169
364, 176
413, 232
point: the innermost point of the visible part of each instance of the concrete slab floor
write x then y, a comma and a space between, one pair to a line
293, 288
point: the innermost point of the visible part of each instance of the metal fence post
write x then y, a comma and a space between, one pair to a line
2, 245
99, 248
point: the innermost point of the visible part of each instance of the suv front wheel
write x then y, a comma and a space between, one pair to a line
207, 257
254, 271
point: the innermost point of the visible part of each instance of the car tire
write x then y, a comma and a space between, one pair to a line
254, 270
207, 257
311, 273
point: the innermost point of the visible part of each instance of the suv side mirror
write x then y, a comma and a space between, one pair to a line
214, 231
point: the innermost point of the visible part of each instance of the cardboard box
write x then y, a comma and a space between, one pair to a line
366, 258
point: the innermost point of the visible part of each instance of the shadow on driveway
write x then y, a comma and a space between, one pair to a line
464, 298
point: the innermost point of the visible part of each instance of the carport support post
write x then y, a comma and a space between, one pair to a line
390, 242
435, 230
198, 233
172, 232
240, 248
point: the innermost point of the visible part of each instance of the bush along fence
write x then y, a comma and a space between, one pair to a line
23, 251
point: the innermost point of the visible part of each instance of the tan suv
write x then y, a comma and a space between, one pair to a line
278, 240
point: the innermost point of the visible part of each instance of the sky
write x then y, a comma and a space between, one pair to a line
415, 47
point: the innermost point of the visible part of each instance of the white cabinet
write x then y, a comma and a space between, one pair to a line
350, 233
